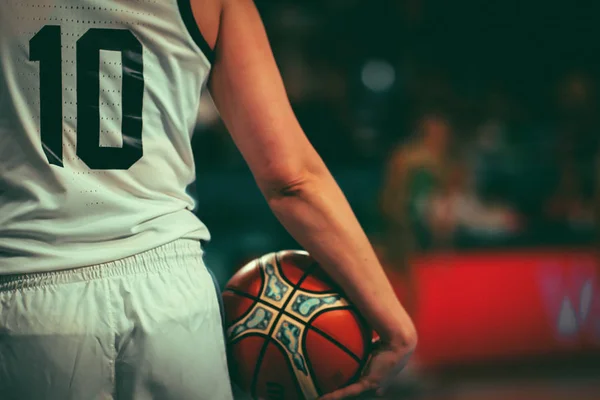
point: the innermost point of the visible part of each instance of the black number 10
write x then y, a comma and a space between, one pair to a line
45, 47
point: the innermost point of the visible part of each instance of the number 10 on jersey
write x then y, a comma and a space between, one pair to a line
45, 47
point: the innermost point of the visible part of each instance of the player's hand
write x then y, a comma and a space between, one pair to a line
385, 363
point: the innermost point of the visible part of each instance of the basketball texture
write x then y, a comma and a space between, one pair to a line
291, 333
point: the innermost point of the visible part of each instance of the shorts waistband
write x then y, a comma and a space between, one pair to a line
179, 253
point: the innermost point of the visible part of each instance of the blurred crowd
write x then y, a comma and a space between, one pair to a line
484, 134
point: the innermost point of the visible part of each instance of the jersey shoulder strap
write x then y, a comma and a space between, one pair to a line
185, 9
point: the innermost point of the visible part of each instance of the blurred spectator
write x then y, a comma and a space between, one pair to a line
578, 124
415, 173
572, 205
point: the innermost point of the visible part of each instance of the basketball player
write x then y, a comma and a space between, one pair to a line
103, 291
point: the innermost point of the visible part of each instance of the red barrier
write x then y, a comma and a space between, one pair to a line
497, 306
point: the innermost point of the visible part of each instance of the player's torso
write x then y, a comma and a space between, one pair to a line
98, 99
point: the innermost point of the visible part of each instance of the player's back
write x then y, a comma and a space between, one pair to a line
98, 100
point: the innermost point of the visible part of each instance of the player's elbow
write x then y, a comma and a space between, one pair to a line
285, 182
287, 171
292, 176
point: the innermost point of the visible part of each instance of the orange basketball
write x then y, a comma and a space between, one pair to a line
291, 333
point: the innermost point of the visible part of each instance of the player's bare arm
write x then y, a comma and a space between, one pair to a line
249, 93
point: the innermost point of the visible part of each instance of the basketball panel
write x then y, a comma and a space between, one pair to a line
331, 367
294, 265
236, 306
319, 282
244, 356
248, 279
345, 327
276, 379
315, 284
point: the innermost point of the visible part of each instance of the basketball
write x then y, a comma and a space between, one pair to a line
291, 333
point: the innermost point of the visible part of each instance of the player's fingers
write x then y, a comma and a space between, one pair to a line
351, 390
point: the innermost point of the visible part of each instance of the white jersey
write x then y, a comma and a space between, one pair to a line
98, 102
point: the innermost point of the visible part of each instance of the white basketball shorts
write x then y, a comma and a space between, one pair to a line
144, 327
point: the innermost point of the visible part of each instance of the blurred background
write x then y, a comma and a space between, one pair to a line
465, 135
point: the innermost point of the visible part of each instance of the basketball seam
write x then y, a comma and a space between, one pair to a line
258, 334
333, 290
368, 347
289, 364
334, 341
248, 296
245, 313
361, 362
263, 350
285, 278
309, 365
308, 323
